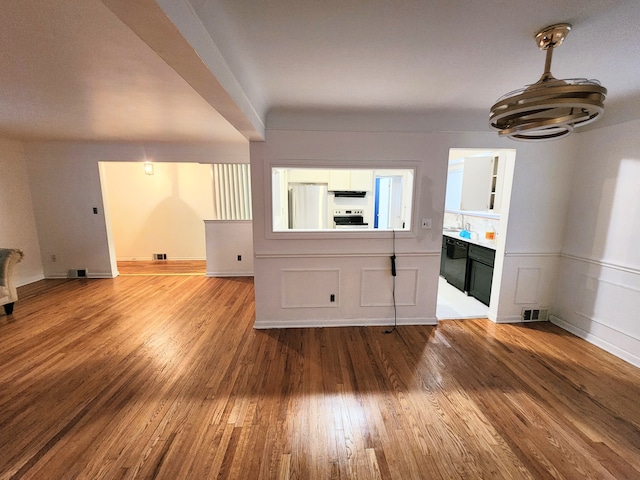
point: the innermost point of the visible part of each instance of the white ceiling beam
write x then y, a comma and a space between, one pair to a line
172, 30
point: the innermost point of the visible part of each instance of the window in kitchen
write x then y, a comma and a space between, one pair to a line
335, 199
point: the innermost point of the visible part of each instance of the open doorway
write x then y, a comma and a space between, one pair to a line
156, 216
388, 203
474, 229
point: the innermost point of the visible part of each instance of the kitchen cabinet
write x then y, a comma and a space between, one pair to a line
480, 272
468, 267
495, 192
339, 180
454, 187
362, 180
308, 175
354, 180
475, 184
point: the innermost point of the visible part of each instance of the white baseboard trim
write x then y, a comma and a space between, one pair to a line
513, 319
103, 275
56, 276
150, 259
229, 274
507, 319
342, 322
29, 280
597, 341
90, 275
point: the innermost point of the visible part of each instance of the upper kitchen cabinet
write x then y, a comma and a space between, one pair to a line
355, 180
308, 175
475, 184
497, 182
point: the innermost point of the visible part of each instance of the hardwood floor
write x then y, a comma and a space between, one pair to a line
164, 377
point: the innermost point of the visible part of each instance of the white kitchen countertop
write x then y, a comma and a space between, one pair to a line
481, 241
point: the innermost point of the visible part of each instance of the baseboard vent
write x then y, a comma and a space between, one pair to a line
159, 256
535, 314
80, 273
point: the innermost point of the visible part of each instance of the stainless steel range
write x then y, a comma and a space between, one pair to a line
352, 218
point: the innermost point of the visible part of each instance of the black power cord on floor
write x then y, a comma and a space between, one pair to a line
393, 285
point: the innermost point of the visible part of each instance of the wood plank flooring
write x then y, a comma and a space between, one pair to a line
163, 377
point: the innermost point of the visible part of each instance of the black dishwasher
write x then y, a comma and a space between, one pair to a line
455, 263
481, 261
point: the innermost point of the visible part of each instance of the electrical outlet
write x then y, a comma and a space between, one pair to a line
426, 223
239, 258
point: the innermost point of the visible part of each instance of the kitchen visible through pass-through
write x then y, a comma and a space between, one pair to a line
335, 199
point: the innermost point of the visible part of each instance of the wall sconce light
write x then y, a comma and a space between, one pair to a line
148, 168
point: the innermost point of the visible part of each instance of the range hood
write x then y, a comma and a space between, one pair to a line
350, 193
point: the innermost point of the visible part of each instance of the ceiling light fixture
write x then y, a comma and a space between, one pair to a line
148, 168
549, 108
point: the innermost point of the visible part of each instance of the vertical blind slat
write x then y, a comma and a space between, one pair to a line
232, 191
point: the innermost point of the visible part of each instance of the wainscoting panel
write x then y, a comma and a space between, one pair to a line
600, 303
608, 299
296, 290
229, 247
310, 288
377, 287
527, 280
527, 285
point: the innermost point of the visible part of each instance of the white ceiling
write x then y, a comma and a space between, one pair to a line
72, 70
75, 70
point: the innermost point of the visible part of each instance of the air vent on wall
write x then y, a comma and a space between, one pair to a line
81, 273
349, 193
535, 314
159, 256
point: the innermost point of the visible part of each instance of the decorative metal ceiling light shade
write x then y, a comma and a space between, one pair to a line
549, 108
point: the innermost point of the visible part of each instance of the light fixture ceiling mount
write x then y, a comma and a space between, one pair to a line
549, 108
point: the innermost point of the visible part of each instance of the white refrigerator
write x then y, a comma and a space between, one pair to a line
308, 206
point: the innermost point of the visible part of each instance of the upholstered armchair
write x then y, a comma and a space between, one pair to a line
8, 293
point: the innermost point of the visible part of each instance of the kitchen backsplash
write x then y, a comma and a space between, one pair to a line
471, 222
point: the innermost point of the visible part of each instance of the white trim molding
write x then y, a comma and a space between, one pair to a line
343, 322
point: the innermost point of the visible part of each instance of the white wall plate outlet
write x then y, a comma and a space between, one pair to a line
426, 223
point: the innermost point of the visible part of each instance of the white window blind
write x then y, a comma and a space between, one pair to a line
232, 191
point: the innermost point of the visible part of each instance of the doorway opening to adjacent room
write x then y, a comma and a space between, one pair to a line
154, 214
477, 199
387, 208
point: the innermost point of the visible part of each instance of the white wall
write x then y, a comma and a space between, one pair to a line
598, 295
229, 248
65, 182
356, 268
159, 213
536, 215
17, 222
